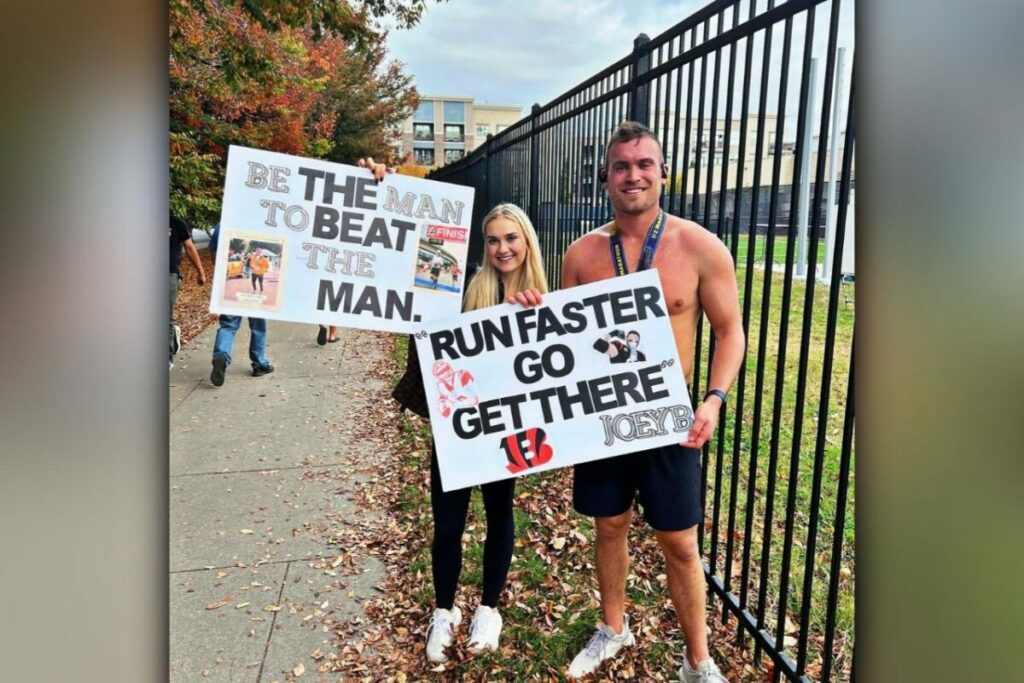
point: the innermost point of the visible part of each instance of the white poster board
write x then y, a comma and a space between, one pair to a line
515, 390
312, 241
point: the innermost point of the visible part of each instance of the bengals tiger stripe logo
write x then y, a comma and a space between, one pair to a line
526, 449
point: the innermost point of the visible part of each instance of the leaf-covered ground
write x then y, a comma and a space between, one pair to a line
550, 606
192, 309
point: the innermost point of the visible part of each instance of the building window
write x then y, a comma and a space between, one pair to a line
454, 112
423, 157
502, 126
453, 132
425, 112
423, 131
451, 155
482, 130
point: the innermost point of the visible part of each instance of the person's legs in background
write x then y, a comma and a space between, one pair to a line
327, 334
174, 282
258, 347
222, 346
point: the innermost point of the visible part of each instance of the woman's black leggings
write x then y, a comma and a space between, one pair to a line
256, 277
449, 511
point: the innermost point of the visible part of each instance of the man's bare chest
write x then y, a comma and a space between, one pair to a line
679, 279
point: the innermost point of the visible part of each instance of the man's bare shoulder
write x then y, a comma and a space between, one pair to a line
694, 237
596, 238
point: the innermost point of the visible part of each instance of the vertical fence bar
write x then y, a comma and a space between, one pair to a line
674, 175
709, 181
773, 450
561, 180
839, 519
706, 222
666, 195
747, 304
738, 184
653, 111
839, 528
695, 383
550, 183
486, 181
599, 139
780, 370
638, 94
695, 207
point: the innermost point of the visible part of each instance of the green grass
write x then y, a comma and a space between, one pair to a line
760, 250
800, 478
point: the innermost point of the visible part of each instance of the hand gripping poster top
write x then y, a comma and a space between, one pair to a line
312, 241
592, 373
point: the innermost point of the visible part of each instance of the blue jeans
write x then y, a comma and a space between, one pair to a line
225, 340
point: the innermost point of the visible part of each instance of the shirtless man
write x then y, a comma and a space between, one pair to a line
697, 275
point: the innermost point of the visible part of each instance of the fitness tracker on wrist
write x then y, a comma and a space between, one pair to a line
715, 392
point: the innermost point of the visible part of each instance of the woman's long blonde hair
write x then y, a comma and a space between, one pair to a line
483, 289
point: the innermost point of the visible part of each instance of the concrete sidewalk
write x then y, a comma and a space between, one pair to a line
263, 477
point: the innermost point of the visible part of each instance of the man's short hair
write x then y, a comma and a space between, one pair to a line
627, 132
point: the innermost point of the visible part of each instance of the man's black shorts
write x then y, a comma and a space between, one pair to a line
667, 478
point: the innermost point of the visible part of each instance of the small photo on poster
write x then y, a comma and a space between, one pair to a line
254, 271
441, 259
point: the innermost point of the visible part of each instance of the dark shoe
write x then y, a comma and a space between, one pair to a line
321, 336
217, 375
260, 370
336, 339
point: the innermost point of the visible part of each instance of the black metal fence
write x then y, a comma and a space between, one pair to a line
740, 69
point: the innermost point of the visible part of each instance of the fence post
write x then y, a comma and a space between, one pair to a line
487, 173
534, 163
638, 99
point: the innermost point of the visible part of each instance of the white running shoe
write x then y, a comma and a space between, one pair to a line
440, 633
604, 644
484, 629
705, 672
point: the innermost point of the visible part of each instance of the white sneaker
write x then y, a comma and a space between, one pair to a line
705, 672
604, 644
484, 629
440, 632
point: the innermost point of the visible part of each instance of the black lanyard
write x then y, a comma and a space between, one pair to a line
650, 246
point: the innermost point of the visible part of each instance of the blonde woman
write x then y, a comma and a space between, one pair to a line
512, 265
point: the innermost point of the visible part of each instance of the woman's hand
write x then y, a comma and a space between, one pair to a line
378, 170
527, 297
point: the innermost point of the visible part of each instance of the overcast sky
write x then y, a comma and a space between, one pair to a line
511, 52
518, 53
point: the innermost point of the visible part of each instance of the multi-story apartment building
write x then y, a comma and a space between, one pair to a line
444, 129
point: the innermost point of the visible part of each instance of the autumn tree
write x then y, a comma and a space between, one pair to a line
301, 77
